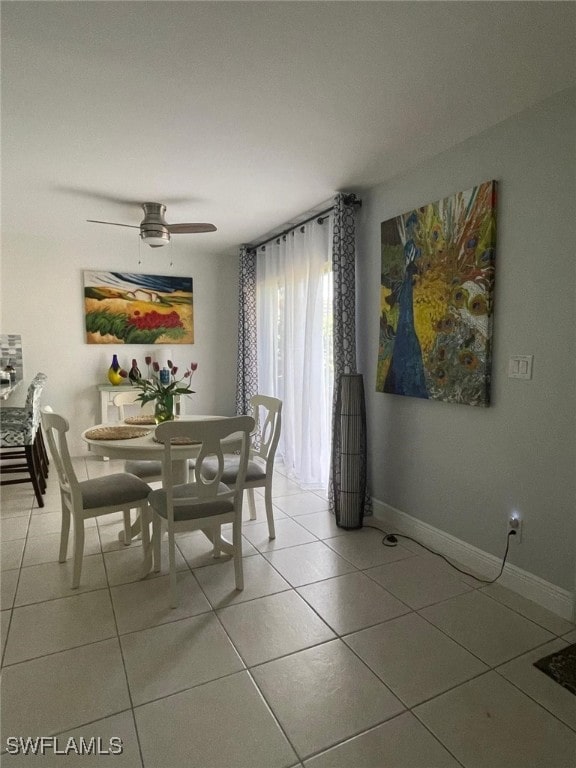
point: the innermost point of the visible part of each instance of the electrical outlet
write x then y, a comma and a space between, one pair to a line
515, 524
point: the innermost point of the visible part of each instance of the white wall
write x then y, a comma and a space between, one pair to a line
42, 299
463, 469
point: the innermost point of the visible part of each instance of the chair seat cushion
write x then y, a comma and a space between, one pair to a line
141, 468
256, 469
118, 489
13, 433
192, 511
147, 468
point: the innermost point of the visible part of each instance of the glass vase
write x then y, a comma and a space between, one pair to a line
114, 376
164, 409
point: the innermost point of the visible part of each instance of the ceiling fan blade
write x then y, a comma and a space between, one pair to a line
112, 223
189, 229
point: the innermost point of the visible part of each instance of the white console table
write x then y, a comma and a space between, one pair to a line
107, 394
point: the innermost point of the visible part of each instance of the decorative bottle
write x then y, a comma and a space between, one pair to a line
114, 375
134, 373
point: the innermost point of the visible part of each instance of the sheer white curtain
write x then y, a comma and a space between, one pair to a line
294, 319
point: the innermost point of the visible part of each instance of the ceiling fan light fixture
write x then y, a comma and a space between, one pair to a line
155, 238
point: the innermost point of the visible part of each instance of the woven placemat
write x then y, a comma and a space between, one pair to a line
144, 419
181, 441
116, 433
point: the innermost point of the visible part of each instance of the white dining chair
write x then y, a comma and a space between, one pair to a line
84, 499
206, 503
267, 412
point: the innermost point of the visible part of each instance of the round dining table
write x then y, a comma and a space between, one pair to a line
112, 440
102, 440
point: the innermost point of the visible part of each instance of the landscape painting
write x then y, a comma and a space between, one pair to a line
125, 308
436, 299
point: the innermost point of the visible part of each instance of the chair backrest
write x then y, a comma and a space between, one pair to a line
130, 398
211, 436
36, 384
268, 417
55, 428
31, 408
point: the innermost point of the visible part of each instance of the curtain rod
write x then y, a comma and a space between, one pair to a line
348, 199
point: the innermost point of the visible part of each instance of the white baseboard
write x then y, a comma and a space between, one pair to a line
553, 598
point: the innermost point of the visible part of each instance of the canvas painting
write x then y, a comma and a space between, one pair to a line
436, 299
124, 308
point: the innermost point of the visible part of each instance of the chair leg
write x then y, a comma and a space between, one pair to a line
216, 541
156, 541
146, 544
78, 551
127, 528
172, 560
43, 451
64, 534
34, 474
269, 510
237, 542
251, 503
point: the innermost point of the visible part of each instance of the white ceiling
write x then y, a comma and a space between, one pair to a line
246, 114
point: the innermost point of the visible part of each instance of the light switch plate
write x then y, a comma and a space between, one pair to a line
520, 367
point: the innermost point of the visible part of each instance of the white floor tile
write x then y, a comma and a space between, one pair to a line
402, 742
419, 580
300, 503
11, 553
323, 695
126, 565
64, 690
57, 625
282, 486
46, 548
413, 658
8, 584
321, 524
351, 602
288, 534
223, 724
260, 509
175, 656
364, 548
308, 562
489, 722
529, 609
197, 550
144, 604
68, 654
13, 528
273, 626
539, 686
488, 629
51, 580
260, 579
5, 617
43, 522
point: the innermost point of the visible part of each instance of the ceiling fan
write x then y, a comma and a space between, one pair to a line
154, 229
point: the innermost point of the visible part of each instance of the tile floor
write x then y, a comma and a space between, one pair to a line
339, 653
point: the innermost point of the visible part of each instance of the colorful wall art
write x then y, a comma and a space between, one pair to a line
123, 308
436, 298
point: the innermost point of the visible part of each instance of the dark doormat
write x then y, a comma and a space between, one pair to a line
561, 667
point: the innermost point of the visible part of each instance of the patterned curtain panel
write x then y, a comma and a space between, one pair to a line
247, 367
344, 272
344, 304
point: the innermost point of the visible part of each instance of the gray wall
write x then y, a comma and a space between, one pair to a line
463, 469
